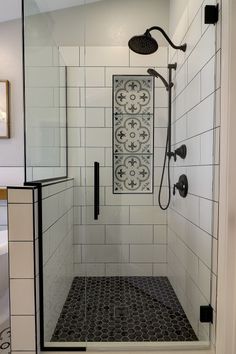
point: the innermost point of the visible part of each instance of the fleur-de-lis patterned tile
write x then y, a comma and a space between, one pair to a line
133, 112
133, 134
133, 173
133, 94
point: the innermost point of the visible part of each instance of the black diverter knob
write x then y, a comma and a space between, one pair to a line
182, 186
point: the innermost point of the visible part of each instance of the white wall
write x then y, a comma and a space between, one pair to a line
57, 223
177, 8
130, 236
192, 222
109, 22
12, 150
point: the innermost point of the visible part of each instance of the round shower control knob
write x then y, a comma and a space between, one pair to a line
182, 186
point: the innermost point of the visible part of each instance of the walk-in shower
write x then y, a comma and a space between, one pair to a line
124, 262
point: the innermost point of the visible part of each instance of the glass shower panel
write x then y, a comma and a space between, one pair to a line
140, 273
45, 98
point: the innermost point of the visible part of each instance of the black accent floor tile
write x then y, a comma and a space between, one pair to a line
123, 309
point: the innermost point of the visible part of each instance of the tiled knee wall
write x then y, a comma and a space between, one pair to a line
192, 222
57, 216
57, 220
130, 235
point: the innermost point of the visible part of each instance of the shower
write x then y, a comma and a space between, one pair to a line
145, 44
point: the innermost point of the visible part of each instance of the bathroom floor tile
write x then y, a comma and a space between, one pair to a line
122, 309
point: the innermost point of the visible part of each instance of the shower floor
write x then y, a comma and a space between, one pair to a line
122, 309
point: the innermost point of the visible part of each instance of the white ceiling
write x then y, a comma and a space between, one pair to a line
52, 5
11, 9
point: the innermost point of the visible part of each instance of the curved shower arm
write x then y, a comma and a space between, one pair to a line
182, 47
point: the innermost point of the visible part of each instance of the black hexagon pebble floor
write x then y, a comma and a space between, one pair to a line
122, 309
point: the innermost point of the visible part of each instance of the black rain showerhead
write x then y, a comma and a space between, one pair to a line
154, 73
145, 44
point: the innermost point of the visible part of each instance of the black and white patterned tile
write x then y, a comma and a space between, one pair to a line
5, 338
132, 173
133, 129
133, 94
123, 309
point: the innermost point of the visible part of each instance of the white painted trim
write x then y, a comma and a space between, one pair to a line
152, 347
226, 305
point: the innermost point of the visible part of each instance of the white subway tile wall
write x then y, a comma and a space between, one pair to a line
110, 246
57, 222
23, 247
192, 222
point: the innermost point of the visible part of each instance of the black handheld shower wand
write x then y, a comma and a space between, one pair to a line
181, 151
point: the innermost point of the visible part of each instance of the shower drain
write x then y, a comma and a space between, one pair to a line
121, 312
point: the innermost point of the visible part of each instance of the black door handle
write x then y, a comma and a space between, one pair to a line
96, 190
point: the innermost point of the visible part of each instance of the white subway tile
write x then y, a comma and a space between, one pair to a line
95, 77
69, 56
160, 137
73, 97
208, 82
129, 234
160, 234
98, 97
76, 117
74, 137
157, 59
204, 50
77, 253
209, 216
20, 230
105, 176
130, 269
76, 156
148, 253
105, 253
99, 137
75, 77
89, 270
95, 117
23, 333
22, 297
106, 56
130, 199
205, 280
39, 56
108, 215
95, 154
161, 97
200, 180
161, 117
89, 234
160, 269
85, 196
21, 260
147, 215
39, 97
201, 118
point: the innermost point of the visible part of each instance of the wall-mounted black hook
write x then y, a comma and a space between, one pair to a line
182, 186
211, 14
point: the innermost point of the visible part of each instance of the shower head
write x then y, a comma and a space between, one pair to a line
154, 73
145, 44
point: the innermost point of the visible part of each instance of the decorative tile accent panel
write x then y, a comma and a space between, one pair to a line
133, 125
